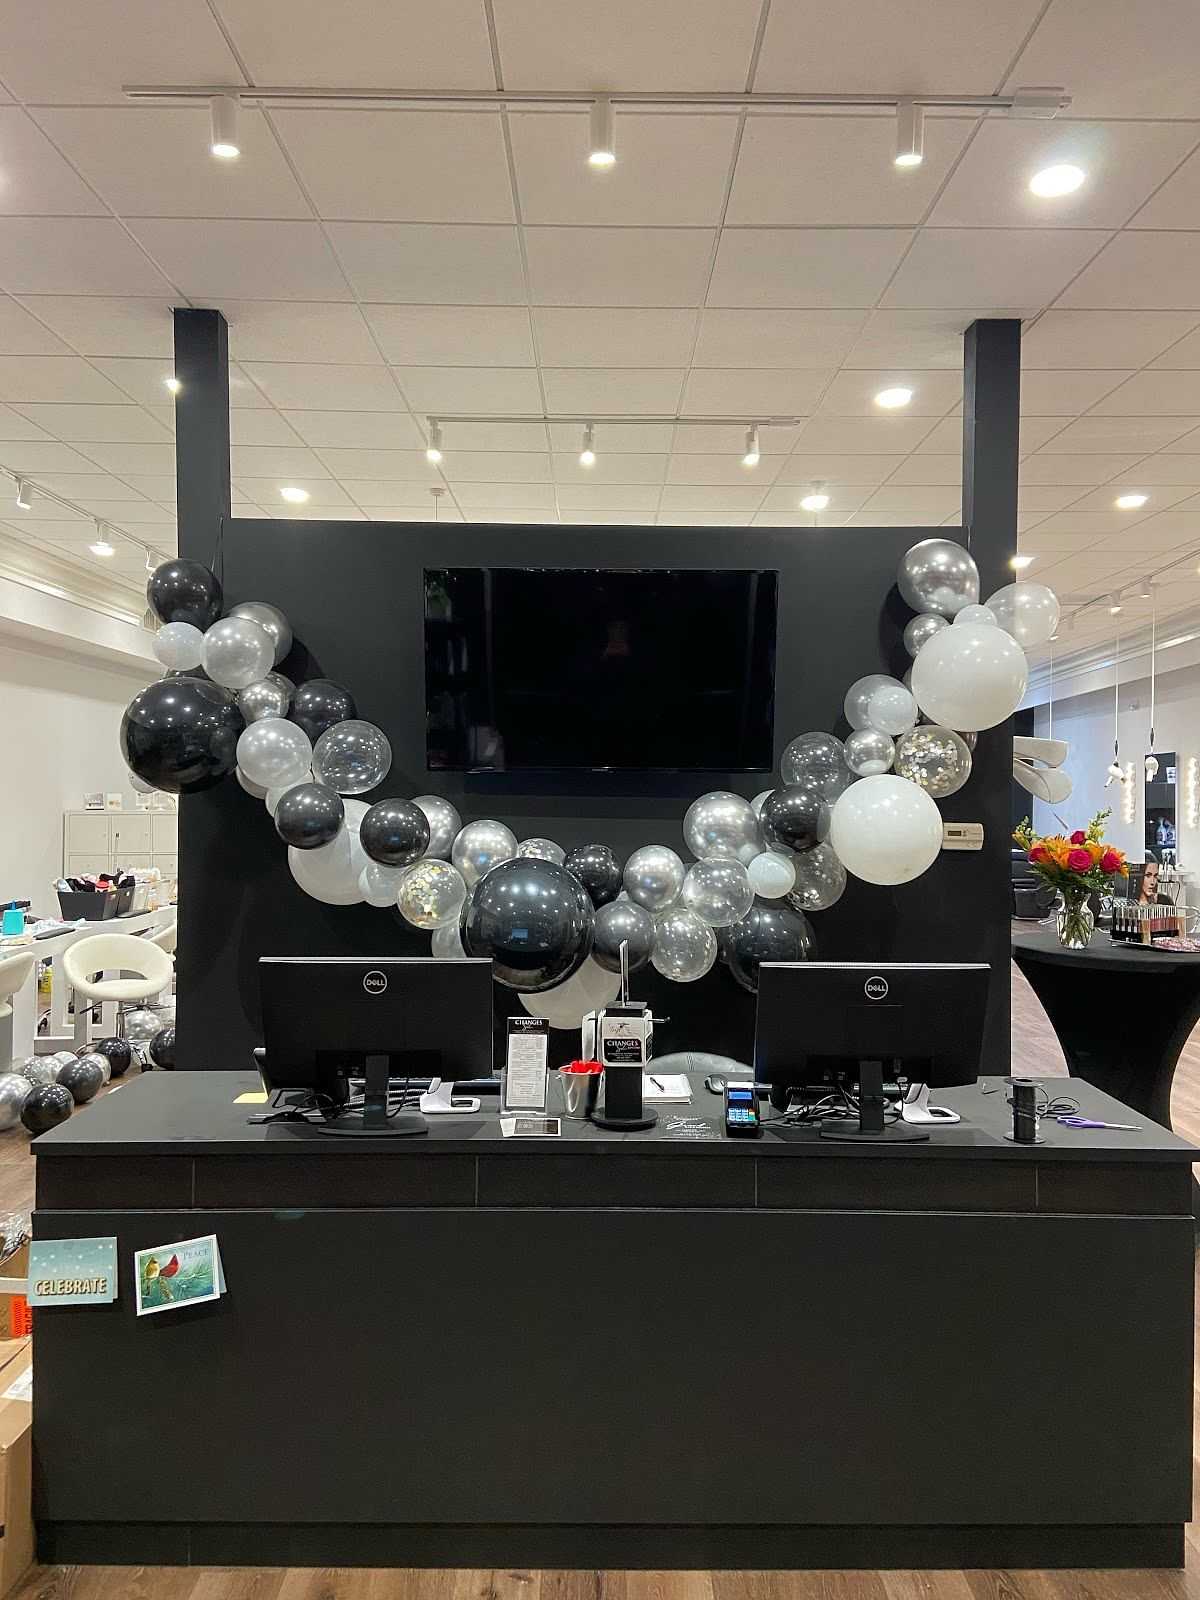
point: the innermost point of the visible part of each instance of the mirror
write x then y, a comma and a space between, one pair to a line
1160, 807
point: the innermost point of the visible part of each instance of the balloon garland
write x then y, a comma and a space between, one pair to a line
553, 923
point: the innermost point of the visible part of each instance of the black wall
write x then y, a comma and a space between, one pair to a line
354, 594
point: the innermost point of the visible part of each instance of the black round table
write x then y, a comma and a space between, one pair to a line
1122, 1013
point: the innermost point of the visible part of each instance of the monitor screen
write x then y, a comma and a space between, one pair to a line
634, 671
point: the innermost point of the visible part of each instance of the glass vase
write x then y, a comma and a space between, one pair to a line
1076, 920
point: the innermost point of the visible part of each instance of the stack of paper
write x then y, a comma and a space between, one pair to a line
666, 1086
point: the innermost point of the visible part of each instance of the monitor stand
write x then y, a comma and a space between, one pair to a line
873, 1128
915, 1108
373, 1121
438, 1100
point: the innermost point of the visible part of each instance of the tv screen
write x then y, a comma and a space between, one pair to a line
629, 671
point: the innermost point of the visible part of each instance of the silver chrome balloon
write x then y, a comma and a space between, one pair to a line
40, 1070
141, 1026
542, 850
272, 622
14, 1091
938, 575
934, 758
263, 699
273, 752
237, 653
869, 752
653, 877
480, 846
444, 821
919, 630
722, 827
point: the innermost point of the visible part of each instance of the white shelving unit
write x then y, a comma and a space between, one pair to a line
101, 841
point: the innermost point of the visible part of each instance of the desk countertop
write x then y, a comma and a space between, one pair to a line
195, 1114
1041, 944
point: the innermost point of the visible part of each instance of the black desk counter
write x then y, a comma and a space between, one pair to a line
618, 1351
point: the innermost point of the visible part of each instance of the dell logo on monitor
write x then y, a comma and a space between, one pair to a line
374, 982
876, 988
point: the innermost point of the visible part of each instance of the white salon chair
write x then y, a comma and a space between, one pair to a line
146, 970
15, 972
166, 938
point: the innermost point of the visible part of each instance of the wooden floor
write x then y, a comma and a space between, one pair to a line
1035, 1050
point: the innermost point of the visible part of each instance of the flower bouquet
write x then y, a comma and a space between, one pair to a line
1077, 867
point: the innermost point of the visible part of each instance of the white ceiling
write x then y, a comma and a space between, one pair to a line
380, 265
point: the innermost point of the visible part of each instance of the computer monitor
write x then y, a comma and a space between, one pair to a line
852, 1024
327, 1019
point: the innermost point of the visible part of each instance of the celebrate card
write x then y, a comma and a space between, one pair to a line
182, 1274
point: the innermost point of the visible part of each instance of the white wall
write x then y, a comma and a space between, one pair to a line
60, 717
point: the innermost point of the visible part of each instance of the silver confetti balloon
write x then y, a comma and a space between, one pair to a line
938, 575
869, 752
858, 697
265, 699
722, 827
653, 877
272, 622
352, 756
480, 846
719, 892
817, 758
934, 758
685, 947
820, 880
921, 629
14, 1091
40, 1070
542, 850
431, 894
141, 1026
444, 822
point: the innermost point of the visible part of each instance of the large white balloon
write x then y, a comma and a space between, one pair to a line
858, 697
970, 677
566, 1006
886, 830
891, 709
331, 872
1029, 611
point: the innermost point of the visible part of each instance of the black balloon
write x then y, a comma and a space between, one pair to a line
796, 816
619, 921
770, 931
46, 1107
117, 1053
309, 815
181, 734
162, 1049
185, 591
319, 703
82, 1079
533, 919
395, 833
598, 870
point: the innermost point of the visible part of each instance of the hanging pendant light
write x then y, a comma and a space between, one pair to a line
1115, 771
1151, 758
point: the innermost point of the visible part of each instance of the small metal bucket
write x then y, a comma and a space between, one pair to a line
580, 1092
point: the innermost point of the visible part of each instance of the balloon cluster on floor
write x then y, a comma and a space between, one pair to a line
553, 923
44, 1090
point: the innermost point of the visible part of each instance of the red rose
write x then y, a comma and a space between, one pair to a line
1110, 862
1079, 860
1039, 853
1079, 837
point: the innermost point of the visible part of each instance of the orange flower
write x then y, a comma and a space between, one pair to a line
1096, 851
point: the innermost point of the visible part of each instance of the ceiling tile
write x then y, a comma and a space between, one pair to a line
622, 467
379, 465
997, 267
1084, 470
704, 519
53, 378
15, 426
876, 436
805, 267
1038, 431
292, 462
671, 170
944, 439
928, 469
417, 264
323, 492
96, 325
413, 504
618, 266
819, 169
401, 165
1122, 434
296, 385
1166, 470
1096, 339
281, 330
35, 180
1186, 353
123, 458
1046, 497
689, 467
142, 380
837, 470
852, 393
914, 339
706, 438
1093, 523
842, 502
1149, 271
156, 162
1058, 394
438, 389
925, 502
720, 498
618, 438
160, 487
497, 435
22, 333
874, 518
1161, 393
874, 46
1170, 529
453, 336
261, 427
351, 430
1123, 163
672, 44
776, 338
494, 466
608, 497
1177, 203
375, 493
1118, 60
84, 424
243, 260
777, 393
1104, 499
313, 512
622, 390
605, 518
505, 496
40, 457
796, 519
613, 337
74, 255
485, 516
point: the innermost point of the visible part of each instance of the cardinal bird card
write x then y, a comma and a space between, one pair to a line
180, 1274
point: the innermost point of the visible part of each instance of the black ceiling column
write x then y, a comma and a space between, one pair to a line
991, 431
201, 430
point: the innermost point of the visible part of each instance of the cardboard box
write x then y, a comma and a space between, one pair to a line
16, 1468
16, 1321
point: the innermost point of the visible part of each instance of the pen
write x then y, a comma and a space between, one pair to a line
655, 1081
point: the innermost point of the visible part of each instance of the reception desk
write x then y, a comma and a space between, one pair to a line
620, 1351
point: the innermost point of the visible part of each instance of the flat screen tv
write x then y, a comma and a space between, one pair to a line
635, 671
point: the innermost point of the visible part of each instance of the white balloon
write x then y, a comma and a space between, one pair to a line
891, 709
255, 789
983, 616
447, 943
565, 1006
237, 652
756, 804
378, 884
886, 830
771, 875
970, 678
273, 751
330, 873
858, 697
1029, 611
179, 646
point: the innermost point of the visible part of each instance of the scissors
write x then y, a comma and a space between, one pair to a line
1090, 1122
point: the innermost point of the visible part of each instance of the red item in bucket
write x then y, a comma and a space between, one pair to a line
582, 1067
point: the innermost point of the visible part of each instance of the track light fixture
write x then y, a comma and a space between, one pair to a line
602, 148
101, 545
433, 450
24, 496
224, 144
587, 454
752, 456
910, 133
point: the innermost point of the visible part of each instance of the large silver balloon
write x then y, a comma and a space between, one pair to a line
265, 699
937, 759
938, 575
869, 752
179, 646
431, 894
722, 827
237, 653
444, 824
141, 1026
542, 850
718, 892
858, 697
39, 1071
352, 756
274, 752
285, 683
622, 922
272, 622
921, 629
480, 846
685, 947
14, 1091
772, 874
817, 758
1029, 611
653, 877
820, 880
891, 709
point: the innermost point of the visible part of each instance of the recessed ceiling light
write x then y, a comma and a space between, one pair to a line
173, 383
816, 501
433, 450
1051, 182
752, 456
893, 399
910, 133
587, 455
224, 144
602, 148
1130, 502
293, 495
1019, 563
